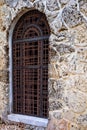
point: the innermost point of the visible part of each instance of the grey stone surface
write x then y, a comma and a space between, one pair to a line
39, 128
38, 4
28, 120
63, 2
55, 105
83, 6
72, 17
52, 5
2, 2
11, 3
82, 119
56, 89
62, 48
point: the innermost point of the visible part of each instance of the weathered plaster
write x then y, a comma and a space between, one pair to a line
68, 58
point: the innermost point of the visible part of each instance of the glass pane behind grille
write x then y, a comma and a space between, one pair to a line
30, 65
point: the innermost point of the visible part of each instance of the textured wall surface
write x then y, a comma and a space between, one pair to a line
68, 59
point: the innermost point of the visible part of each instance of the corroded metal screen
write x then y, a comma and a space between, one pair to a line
30, 65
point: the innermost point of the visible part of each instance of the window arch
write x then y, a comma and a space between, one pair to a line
30, 48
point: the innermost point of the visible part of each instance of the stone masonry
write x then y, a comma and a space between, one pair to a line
68, 59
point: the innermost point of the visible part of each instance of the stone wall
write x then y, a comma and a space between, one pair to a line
68, 59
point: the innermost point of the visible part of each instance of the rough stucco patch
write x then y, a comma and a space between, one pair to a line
63, 70
3, 58
32, 0
78, 82
63, 36
3, 98
52, 5
6, 16
82, 53
3, 39
56, 88
80, 35
55, 124
71, 17
55, 105
4, 76
68, 58
56, 24
82, 119
82, 83
2, 2
39, 5
74, 126
77, 101
69, 115
81, 67
56, 114
83, 6
12, 3
62, 48
52, 68
63, 2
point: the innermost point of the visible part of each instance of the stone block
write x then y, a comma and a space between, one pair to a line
55, 124
52, 5
62, 48
55, 105
11, 3
72, 17
56, 89
77, 101
83, 6
69, 115
82, 120
2, 2
63, 2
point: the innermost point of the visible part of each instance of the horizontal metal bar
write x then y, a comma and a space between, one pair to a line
31, 67
31, 39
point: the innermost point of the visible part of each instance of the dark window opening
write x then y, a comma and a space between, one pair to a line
30, 58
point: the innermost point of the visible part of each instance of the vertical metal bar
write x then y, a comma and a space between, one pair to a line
38, 82
41, 80
21, 77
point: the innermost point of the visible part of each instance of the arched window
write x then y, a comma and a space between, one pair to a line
30, 48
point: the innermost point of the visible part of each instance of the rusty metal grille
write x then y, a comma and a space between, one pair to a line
30, 57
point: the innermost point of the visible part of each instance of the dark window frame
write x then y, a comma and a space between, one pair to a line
25, 33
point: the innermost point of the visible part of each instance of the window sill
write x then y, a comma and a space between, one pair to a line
36, 121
